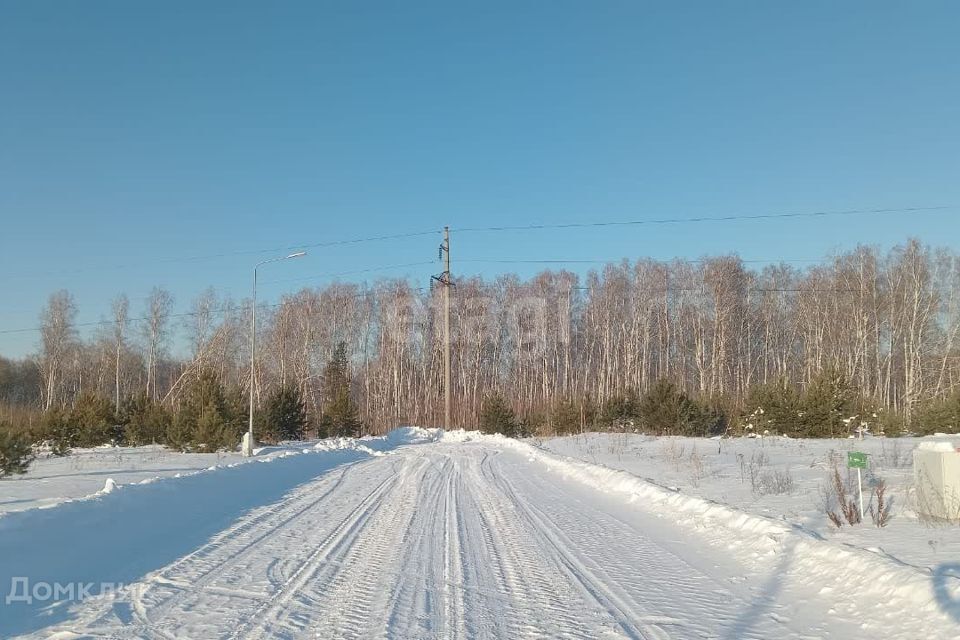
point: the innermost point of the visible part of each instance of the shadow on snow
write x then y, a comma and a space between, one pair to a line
946, 587
122, 536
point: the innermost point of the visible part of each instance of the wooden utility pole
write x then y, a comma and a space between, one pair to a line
446, 329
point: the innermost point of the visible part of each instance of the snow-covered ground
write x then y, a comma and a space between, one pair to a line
52, 480
84, 473
749, 474
429, 535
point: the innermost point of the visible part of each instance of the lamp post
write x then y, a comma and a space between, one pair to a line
248, 441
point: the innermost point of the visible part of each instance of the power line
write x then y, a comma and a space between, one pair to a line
354, 272
749, 289
235, 308
545, 226
523, 261
331, 243
618, 260
229, 254
728, 218
336, 243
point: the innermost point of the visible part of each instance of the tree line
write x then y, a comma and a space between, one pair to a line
211, 415
713, 337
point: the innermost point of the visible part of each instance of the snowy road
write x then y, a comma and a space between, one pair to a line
452, 540
456, 540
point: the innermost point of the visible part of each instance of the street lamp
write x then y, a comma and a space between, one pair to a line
248, 440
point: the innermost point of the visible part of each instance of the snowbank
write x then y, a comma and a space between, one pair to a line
402, 436
53, 481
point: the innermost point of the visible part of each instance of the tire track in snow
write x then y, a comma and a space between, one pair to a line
487, 579
259, 623
216, 555
154, 608
416, 588
604, 545
445, 587
544, 603
346, 596
629, 619
454, 555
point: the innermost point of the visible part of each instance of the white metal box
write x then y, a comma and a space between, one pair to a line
936, 472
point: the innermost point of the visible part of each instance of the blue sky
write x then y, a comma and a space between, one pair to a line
136, 134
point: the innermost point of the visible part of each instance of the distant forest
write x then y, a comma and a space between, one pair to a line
880, 330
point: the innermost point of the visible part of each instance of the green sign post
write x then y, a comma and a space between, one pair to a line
858, 460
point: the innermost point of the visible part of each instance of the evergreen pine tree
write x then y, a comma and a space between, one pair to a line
773, 407
144, 421
827, 402
663, 407
285, 416
91, 422
340, 416
180, 432
58, 430
16, 454
206, 421
497, 416
939, 416
565, 417
96, 422
621, 411
236, 415
667, 410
